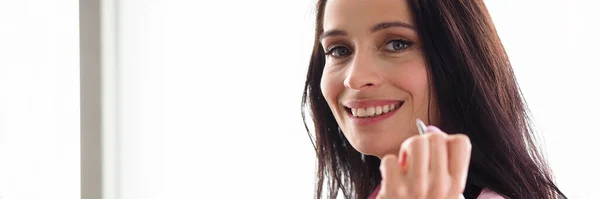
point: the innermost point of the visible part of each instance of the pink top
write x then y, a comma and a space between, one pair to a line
485, 194
489, 194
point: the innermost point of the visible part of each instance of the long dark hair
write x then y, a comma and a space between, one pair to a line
477, 95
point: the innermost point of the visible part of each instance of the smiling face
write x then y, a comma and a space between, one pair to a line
375, 78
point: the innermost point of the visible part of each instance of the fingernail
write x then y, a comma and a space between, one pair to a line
403, 160
434, 129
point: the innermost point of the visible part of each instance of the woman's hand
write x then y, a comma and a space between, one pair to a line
429, 166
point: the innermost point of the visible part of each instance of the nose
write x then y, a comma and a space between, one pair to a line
362, 73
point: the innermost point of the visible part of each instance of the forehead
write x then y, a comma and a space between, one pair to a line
360, 15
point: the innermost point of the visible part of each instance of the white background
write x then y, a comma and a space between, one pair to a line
209, 95
39, 99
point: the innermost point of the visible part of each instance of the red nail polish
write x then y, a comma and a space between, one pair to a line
403, 160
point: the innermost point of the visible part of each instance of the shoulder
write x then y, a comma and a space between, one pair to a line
489, 194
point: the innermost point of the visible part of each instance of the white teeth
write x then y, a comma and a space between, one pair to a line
361, 112
372, 111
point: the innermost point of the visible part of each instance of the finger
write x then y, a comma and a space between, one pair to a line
438, 153
417, 160
390, 174
439, 174
459, 150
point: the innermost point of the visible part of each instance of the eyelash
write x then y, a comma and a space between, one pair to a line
405, 43
332, 49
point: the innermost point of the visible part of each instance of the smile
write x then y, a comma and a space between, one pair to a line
374, 111
369, 114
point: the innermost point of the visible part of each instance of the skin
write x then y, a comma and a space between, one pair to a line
373, 53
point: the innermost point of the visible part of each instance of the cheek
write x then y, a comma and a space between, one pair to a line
412, 78
331, 87
416, 83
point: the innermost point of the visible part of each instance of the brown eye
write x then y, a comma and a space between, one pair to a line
338, 52
396, 45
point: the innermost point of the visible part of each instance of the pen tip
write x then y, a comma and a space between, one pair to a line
421, 127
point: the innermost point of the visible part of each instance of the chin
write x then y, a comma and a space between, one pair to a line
376, 144
374, 147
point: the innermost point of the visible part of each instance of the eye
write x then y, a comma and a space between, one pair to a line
338, 51
397, 45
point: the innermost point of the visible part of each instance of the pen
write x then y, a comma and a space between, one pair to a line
421, 126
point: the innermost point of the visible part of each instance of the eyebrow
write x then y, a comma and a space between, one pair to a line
375, 28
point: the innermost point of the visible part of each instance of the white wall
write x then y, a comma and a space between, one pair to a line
202, 115
553, 46
39, 99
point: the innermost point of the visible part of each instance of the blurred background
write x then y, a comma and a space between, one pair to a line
149, 99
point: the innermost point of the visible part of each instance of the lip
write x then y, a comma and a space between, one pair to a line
371, 120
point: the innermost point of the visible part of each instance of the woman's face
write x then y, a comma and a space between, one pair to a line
375, 78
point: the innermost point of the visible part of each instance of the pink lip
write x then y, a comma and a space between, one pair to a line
369, 103
372, 120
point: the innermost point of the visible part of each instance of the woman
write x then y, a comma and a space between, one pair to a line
379, 65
